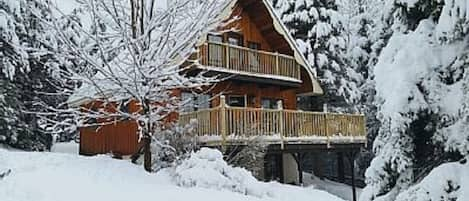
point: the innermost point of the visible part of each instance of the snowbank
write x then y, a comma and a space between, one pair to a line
207, 169
65, 147
341, 190
58, 177
449, 181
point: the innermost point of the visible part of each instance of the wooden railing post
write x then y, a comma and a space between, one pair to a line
326, 119
227, 56
223, 129
277, 68
281, 123
297, 67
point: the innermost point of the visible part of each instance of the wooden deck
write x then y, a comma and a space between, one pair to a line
225, 125
237, 59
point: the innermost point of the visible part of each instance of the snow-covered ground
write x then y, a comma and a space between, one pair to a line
339, 189
65, 147
57, 177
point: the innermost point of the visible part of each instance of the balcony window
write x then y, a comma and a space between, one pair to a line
237, 101
235, 39
254, 45
269, 103
254, 57
215, 56
215, 38
193, 102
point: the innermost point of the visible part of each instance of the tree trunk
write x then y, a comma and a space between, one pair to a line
146, 153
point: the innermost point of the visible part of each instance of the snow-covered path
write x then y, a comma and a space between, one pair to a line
66, 177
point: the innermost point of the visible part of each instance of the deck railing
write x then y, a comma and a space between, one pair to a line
240, 122
242, 59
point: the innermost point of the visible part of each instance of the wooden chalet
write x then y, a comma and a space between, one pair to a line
265, 74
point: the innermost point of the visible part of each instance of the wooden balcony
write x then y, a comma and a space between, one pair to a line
236, 125
241, 60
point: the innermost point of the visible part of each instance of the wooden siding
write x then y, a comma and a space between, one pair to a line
248, 29
255, 25
120, 138
257, 91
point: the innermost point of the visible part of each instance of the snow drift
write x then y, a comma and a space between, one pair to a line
56, 177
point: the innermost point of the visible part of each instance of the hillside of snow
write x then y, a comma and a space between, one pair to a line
205, 176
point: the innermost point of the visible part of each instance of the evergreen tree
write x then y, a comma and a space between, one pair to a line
420, 80
319, 30
27, 67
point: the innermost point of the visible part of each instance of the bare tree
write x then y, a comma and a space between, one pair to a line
136, 52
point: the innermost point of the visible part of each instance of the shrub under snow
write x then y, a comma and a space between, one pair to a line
449, 181
206, 168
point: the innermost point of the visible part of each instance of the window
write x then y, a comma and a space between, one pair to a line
254, 58
237, 101
215, 38
235, 39
215, 51
193, 102
269, 103
254, 45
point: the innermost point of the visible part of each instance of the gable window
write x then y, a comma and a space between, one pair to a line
235, 39
193, 102
235, 54
254, 57
215, 38
215, 51
254, 45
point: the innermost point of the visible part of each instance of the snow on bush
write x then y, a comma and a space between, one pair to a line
447, 182
206, 168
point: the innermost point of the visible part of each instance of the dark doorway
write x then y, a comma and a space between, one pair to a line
273, 167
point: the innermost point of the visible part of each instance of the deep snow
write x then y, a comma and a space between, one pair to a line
341, 190
57, 177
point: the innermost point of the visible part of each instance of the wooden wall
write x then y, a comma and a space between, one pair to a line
248, 29
258, 91
120, 138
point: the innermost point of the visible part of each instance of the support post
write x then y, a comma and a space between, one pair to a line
223, 129
340, 166
299, 162
351, 159
281, 123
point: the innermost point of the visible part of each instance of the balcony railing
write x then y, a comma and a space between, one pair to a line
242, 123
242, 59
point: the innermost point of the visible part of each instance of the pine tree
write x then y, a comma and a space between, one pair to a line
420, 84
319, 30
27, 74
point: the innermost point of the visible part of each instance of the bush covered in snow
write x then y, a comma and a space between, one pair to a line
447, 182
206, 168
